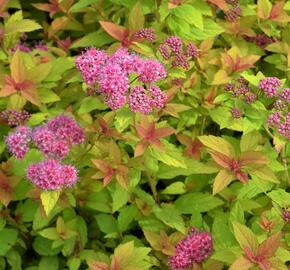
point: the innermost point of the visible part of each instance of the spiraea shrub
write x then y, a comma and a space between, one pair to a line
144, 134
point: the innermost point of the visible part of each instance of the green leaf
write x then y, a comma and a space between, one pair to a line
192, 167
21, 26
136, 18
97, 39
218, 144
89, 104
171, 156
210, 29
281, 197
222, 235
123, 119
197, 201
107, 223
237, 213
249, 141
47, 96
49, 233
48, 263
81, 4
190, 14
129, 257
120, 197
263, 173
175, 188
49, 200
264, 8
245, 237
8, 238
171, 216
126, 216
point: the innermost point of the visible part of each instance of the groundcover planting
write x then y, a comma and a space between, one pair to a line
149, 134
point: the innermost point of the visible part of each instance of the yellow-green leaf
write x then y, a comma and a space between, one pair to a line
49, 200
222, 180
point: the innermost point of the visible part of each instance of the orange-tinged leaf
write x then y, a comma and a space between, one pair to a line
43, 7
269, 247
222, 180
102, 165
247, 62
221, 77
153, 239
241, 263
253, 157
140, 148
115, 152
114, 30
218, 144
222, 4
277, 9
220, 159
17, 66
7, 90
95, 265
264, 8
245, 237
31, 94
136, 18
6, 192
163, 132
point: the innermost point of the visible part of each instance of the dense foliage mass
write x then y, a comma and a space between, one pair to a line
144, 134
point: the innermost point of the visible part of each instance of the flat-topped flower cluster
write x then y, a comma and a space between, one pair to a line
54, 140
111, 74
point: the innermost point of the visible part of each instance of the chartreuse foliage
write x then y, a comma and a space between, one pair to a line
209, 159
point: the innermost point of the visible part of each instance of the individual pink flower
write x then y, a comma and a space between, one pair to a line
51, 175
139, 101
284, 128
89, 63
18, 141
151, 71
270, 86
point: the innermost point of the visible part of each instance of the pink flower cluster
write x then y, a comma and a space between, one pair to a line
144, 34
173, 48
261, 40
233, 14
236, 113
24, 47
111, 73
15, 118
241, 88
18, 141
270, 86
54, 140
50, 174
144, 100
194, 248
282, 123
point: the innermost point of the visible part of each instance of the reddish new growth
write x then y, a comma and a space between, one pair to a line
111, 74
172, 49
194, 248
